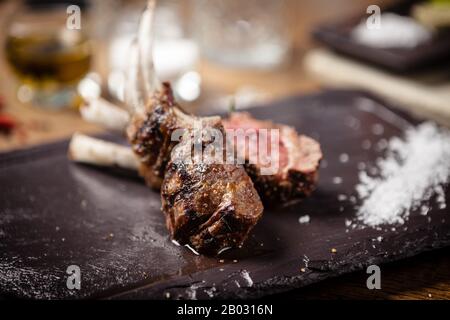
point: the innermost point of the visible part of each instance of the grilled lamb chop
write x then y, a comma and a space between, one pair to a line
208, 205
298, 155
150, 133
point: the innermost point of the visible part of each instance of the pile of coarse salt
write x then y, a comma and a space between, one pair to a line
413, 171
394, 31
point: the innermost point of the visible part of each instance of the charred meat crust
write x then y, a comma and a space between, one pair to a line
295, 186
209, 206
149, 134
298, 178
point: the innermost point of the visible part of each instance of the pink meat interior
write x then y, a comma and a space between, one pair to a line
246, 122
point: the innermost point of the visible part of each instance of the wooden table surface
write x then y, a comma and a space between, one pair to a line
423, 277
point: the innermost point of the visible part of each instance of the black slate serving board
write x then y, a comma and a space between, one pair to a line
336, 35
54, 213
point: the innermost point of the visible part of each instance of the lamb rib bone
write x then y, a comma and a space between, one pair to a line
98, 152
106, 114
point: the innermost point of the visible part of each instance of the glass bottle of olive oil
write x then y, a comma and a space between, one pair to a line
48, 58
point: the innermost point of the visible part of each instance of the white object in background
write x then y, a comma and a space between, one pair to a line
174, 53
90, 87
188, 86
395, 32
89, 150
412, 94
174, 57
104, 113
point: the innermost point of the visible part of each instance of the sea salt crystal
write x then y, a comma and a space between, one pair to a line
337, 180
353, 122
306, 260
413, 171
361, 166
210, 292
440, 198
191, 292
377, 129
424, 210
246, 276
343, 157
382, 144
304, 219
366, 144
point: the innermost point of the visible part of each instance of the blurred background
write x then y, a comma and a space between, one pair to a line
215, 53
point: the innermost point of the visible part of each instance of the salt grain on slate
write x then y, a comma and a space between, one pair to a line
304, 219
210, 292
343, 157
191, 292
413, 171
337, 180
353, 123
377, 129
366, 144
246, 276
382, 144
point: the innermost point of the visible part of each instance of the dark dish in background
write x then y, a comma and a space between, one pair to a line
405, 60
434, 52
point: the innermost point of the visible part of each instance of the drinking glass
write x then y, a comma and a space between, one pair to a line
48, 58
242, 34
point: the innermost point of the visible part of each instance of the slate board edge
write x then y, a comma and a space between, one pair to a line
278, 284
